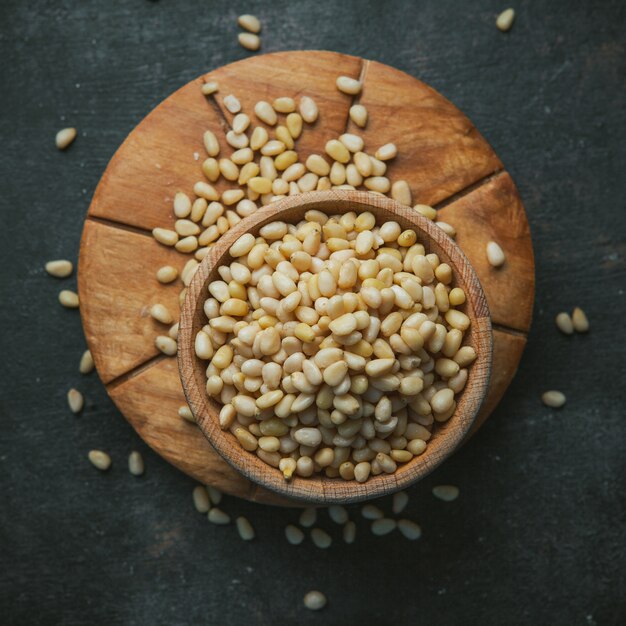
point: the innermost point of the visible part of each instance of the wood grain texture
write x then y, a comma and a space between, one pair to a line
134, 191
446, 437
440, 152
494, 212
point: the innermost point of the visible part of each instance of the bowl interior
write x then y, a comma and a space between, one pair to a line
446, 436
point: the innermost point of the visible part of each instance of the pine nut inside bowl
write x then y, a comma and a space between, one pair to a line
335, 359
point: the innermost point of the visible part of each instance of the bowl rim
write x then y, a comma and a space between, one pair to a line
319, 489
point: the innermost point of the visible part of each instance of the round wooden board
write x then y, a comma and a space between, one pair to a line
442, 156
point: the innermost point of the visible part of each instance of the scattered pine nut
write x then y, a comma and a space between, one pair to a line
320, 538
400, 500
553, 399
349, 532
201, 499
186, 414
495, 254
165, 236
383, 526
86, 364
250, 23
386, 152
215, 494
217, 516
308, 109
60, 268
160, 313
350, 86
284, 105
564, 323
99, 459
244, 528
167, 274
358, 114
314, 600
249, 41
75, 401
409, 529
69, 299
135, 463
447, 493
308, 517
210, 88
505, 20
232, 104
580, 321
65, 137
338, 514
294, 535
369, 511
166, 345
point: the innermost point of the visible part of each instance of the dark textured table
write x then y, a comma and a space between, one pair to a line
537, 535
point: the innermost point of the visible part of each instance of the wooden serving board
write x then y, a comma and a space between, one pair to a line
441, 154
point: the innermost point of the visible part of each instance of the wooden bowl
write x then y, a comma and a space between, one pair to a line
446, 436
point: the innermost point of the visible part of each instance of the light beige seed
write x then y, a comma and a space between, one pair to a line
350, 86
318, 165
65, 137
217, 516
203, 346
401, 192
409, 529
232, 104
284, 105
384, 526
244, 528
308, 517
399, 502
69, 299
182, 205
264, 111
60, 268
354, 143
308, 437
337, 151
165, 236
564, 323
344, 324
442, 400
447, 493
200, 498
160, 313
249, 22
242, 246
186, 414
260, 185
99, 459
259, 135
580, 321
377, 183
386, 152
135, 463
211, 144
215, 495
187, 244
247, 440
358, 114
362, 471
203, 190
320, 538
553, 399
456, 296
495, 254
75, 401
457, 319
294, 535
427, 211
86, 364
505, 20
210, 88
349, 532
371, 512
166, 345
294, 125
315, 600
308, 109
237, 140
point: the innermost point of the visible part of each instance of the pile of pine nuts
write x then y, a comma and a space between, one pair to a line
334, 345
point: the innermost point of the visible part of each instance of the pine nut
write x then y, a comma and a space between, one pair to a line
371, 512
447, 493
314, 600
217, 516
350, 86
320, 538
211, 144
409, 529
284, 105
236, 140
166, 345
349, 532
244, 528
294, 125
186, 414
232, 104
400, 500
75, 401
580, 321
337, 151
383, 526
495, 254
60, 268
210, 88
294, 535
65, 137
564, 323
135, 463
250, 23
318, 165
354, 143
264, 111
69, 299
160, 313
427, 211
386, 152
86, 365
401, 192
201, 499
99, 459
553, 399
377, 183
505, 20
338, 514
358, 114
308, 109
308, 517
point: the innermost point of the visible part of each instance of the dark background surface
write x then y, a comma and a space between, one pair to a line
537, 535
